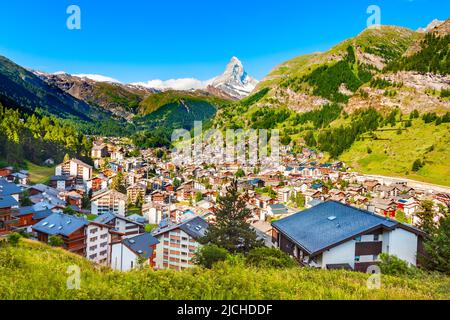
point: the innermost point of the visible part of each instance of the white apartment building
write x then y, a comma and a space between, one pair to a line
106, 201
178, 244
98, 243
75, 168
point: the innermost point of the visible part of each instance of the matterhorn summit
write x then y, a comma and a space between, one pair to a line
235, 81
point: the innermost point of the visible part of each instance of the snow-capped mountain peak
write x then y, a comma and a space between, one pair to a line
235, 81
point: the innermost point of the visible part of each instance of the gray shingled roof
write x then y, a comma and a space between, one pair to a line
329, 223
195, 227
141, 244
8, 188
8, 201
60, 224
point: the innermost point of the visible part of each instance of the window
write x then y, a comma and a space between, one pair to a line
376, 237
358, 239
357, 258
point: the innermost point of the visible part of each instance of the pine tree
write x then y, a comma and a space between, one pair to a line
437, 248
118, 183
231, 230
426, 218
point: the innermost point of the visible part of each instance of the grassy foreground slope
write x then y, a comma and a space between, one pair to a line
35, 271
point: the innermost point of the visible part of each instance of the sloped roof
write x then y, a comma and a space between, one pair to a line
109, 216
330, 223
141, 244
195, 227
8, 201
60, 224
8, 188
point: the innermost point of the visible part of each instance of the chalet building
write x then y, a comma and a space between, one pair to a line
118, 154
6, 171
130, 253
99, 151
21, 177
383, 207
333, 235
444, 198
106, 201
9, 189
372, 185
29, 216
62, 182
81, 171
263, 202
97, 183
388, 191
72, 198
160, 197
277, 210
155, 212
8, 207
134, 191
283, 195
71, 229
178, 243
121, 224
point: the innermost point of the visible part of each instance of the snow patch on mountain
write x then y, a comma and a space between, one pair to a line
96, 77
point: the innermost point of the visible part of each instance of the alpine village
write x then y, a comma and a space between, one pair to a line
89, 178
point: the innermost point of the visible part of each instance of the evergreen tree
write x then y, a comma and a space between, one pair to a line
231, 230
139, 200
118, 183
426, 218
437, 248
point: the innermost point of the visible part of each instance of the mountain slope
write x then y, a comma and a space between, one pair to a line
26, 267
121, 100
21, 88
312, 80
177, 109
351, 99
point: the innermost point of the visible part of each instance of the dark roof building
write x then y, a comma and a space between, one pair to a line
318, 231
142, 244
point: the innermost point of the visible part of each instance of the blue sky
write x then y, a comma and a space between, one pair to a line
139, 40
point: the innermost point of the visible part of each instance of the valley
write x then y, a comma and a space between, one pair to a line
383, 74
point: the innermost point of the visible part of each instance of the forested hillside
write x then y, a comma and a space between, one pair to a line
34, 138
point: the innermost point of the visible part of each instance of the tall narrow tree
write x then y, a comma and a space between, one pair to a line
231, 230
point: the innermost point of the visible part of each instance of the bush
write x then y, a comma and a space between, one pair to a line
208, 255
269, 258
417, 165
14, 238
391, 265
55, 241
